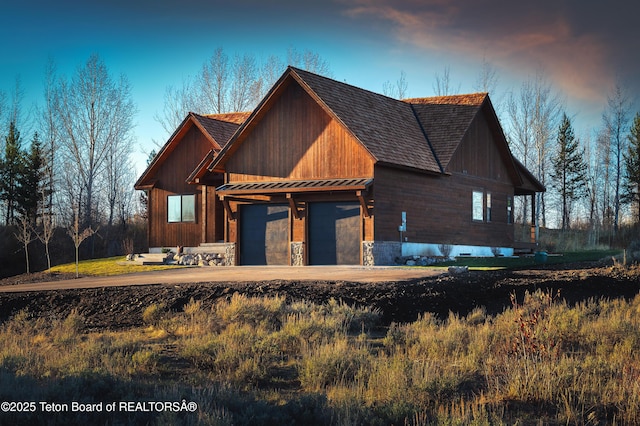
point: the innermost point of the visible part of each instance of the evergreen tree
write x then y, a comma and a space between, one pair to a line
30, 189
631, 189
11, 168
569, 169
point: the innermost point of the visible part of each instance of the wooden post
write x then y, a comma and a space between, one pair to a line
534, 223
363, 204
227, 208
203, 214
293, 206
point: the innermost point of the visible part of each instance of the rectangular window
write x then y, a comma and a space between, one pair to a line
509, 209
488, 207
477, 206
181, 208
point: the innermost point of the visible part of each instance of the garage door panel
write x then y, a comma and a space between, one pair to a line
264, 234
334, 233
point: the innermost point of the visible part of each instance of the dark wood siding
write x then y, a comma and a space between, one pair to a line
439, 208
478, 154
171, 178
297, 139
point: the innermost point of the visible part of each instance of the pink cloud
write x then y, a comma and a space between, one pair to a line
520, 39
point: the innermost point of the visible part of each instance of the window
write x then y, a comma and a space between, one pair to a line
181, 208
488, 207
509, 209
477, 207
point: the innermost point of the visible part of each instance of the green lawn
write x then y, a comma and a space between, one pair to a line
107, 266
488, 263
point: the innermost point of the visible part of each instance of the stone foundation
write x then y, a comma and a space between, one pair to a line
297, 253
375, 253
230, 254
211, 254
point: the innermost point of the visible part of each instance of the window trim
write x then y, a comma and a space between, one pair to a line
477, 206
184, 201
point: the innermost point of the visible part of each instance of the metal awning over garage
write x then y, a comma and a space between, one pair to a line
291, 186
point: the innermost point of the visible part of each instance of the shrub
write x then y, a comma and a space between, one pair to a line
153, 314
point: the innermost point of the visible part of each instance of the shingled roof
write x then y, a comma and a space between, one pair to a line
221, 126
420, 133
217, 128
446, 119
386, 127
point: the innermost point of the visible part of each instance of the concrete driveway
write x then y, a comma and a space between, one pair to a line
237, 274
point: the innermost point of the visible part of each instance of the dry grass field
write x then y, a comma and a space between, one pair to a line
554, 350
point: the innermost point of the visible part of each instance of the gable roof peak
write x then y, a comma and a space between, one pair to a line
385, 126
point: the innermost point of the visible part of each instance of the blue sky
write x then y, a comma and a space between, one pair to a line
584, 47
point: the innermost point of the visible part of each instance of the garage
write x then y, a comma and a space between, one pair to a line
264, 234
334, 233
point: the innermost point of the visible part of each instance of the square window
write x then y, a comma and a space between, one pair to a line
181, 208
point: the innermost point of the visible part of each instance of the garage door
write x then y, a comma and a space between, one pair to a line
334, 233
264, 234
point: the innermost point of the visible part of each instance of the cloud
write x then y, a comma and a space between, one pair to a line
572, 41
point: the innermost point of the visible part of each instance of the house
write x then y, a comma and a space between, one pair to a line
179, 213
322, 172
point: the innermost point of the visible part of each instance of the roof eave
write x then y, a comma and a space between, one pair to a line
217, 165
411, 169
190, 120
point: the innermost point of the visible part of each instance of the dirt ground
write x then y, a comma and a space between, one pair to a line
122, 307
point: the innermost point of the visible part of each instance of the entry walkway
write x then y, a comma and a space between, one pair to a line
237, 274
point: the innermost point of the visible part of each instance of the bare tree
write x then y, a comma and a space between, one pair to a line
270, 71
45, 233
223, 85
213, 84
178, 101
397, 90
533, 116
603, 178
49, 135
487, 78
487, 82
118, 172
244, 82
545, 119
442, 85
616, 122
520, 113
230, 85
94, 113
593, 173
78, 236
309, 61
25, 236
